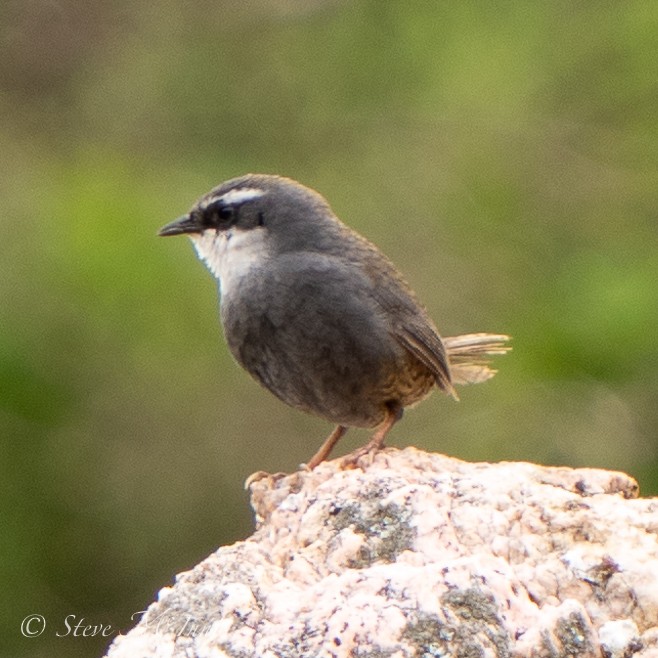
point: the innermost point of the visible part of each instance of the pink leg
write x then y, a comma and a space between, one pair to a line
327, 447
376, 443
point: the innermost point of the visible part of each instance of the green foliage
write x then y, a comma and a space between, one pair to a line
504, 155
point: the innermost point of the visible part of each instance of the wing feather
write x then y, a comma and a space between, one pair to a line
426, 345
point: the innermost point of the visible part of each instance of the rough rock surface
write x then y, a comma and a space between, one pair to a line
423, 555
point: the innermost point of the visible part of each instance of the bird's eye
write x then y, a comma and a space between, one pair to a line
225, 213
221, 215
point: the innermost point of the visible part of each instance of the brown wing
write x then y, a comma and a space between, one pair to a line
408, 320
426, 345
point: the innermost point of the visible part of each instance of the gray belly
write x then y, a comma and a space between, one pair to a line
321, 349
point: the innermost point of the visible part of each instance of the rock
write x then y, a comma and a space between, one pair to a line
422, 555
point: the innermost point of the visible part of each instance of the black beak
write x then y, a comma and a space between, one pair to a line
180, 226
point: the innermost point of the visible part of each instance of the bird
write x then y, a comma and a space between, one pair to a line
318, 315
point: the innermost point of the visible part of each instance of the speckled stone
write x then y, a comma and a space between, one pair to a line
421, 555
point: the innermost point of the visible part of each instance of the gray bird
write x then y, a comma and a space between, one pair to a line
318, 315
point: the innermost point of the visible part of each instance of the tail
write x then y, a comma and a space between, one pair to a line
468, 354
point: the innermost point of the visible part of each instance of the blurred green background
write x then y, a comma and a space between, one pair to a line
504, 155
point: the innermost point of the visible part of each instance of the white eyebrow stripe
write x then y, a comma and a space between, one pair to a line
241, 194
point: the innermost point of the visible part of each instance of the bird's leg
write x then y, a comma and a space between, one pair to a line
327, 447
376, 443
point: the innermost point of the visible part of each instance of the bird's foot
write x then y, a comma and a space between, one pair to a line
262, 475
360, 458
375, 444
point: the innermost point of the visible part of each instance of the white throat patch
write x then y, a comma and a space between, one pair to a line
231, 254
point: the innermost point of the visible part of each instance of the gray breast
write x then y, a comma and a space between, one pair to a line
308, 329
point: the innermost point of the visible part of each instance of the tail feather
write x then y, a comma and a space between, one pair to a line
468, 354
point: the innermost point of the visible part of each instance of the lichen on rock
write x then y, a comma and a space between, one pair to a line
423, 555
